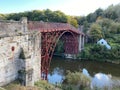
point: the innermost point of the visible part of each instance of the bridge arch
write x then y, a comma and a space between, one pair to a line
49, 41
72, 40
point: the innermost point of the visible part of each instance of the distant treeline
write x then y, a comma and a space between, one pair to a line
112, 12
44, 15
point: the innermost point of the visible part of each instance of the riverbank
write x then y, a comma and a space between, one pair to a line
108, 61
96, 52
43, 85
40, 85
79, 58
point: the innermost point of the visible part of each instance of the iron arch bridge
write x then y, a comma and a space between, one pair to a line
50, 35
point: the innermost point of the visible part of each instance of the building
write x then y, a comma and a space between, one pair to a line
104, 43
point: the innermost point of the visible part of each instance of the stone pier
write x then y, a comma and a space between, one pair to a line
81, 42
20, 53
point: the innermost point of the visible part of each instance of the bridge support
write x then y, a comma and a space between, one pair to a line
81, 42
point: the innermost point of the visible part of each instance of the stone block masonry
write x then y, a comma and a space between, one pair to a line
20, 53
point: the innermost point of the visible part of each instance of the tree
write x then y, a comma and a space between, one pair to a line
114, 28
99, 12
81, 20
105, 23
2, 16
73, 21
37, 15
112, 12
59, 16
86, 26
49, 15
95, 32
91, 17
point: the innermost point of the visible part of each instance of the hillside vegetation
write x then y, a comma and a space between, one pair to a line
102, 24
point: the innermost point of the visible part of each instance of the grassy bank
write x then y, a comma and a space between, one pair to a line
40, 85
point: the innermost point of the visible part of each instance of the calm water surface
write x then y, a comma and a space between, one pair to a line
59, 67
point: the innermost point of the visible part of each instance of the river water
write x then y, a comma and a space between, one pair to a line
59, 66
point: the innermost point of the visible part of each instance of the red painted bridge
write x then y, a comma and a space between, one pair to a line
50, 35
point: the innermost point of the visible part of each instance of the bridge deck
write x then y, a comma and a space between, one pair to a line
49, 27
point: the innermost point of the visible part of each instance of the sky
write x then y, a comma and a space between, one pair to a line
69, 7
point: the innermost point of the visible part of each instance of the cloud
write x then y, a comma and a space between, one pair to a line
82, 7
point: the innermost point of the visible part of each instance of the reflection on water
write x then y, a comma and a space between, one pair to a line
85, 72
101, 80
55, 77
96, 70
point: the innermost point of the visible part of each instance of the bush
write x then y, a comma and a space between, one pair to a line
101, 53
77, 78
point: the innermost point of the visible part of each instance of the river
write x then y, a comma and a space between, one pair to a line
59, 67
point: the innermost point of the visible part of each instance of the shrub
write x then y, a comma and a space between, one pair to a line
77, 78
100, 53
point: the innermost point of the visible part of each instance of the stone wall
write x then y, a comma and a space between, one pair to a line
19, 52
10, 27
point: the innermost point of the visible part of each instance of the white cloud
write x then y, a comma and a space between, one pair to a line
82, 7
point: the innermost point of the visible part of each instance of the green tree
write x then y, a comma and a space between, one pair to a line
81, 20
114, 28
59, 16
73, 21
2, 16
91, 17
86, 26
49, 15
99, 12
37, 15
95, 32
105, 24
112, 12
